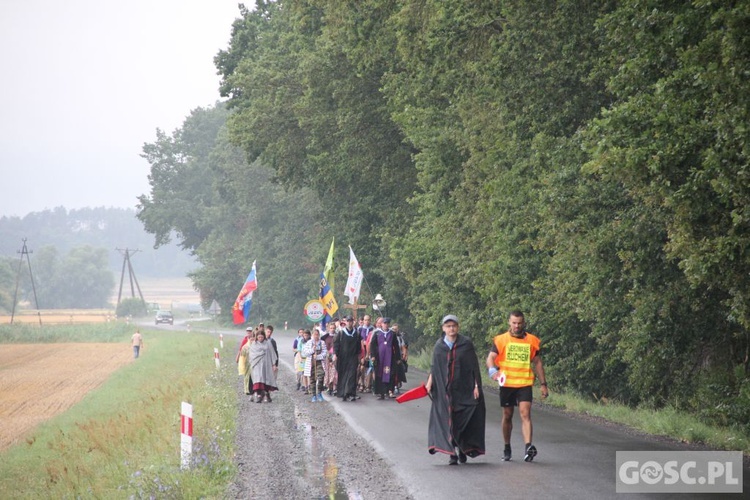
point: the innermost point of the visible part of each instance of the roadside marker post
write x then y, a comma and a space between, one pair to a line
216, 358
186, 435
221, 340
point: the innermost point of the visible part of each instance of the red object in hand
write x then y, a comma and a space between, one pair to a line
416, 393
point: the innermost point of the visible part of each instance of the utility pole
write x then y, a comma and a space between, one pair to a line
25, 251
126, 262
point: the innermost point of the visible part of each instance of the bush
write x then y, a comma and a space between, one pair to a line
723, 397
132, 307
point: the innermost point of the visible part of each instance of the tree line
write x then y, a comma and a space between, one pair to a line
586, 162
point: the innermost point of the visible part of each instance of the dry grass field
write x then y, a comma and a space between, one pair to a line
39, 381
60, 316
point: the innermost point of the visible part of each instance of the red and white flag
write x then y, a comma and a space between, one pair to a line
354, 283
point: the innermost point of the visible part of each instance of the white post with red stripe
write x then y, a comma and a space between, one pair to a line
186, 435
216, 358
221, 340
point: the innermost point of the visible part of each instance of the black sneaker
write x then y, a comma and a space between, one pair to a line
461, 457
453, 460
506, 454
530, 453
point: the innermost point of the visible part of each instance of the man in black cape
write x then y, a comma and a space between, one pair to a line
458, 411
346, 347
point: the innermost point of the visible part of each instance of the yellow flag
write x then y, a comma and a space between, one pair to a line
330, 306
328, 270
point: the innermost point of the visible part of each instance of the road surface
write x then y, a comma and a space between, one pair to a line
576, 455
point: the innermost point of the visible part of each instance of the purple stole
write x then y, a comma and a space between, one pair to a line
385, 352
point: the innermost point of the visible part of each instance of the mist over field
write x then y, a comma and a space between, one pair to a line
113, 229
88, 259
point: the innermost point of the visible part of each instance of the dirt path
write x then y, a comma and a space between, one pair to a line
39, 381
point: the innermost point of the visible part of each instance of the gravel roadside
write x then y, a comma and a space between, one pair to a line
293, 448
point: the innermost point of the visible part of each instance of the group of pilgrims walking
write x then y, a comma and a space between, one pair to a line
345, 360
342, 360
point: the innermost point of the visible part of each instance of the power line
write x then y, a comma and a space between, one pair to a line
25, 251
131, 274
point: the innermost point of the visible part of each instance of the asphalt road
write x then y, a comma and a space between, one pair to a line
576, 456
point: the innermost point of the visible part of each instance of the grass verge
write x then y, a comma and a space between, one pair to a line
123, 439
666, 421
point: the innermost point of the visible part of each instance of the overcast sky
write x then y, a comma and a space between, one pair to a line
85, 83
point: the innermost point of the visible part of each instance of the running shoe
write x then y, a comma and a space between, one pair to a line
461, 457
453, 460
314, 399
506, 454
530, 453
320, 398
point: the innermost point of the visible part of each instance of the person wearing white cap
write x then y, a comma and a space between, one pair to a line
243, 367
458, 411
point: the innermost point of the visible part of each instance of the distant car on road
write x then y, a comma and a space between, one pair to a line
164, 317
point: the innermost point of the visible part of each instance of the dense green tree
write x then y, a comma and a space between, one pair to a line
303, 106
583, 161
182, 192
487, 88
7, 283
244, 217
677, 138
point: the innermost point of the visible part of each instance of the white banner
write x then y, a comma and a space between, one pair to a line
354, 283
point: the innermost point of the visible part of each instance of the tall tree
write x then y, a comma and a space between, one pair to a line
306, 108
229, 213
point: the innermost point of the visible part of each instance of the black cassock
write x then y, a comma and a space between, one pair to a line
456, 418
347, 349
